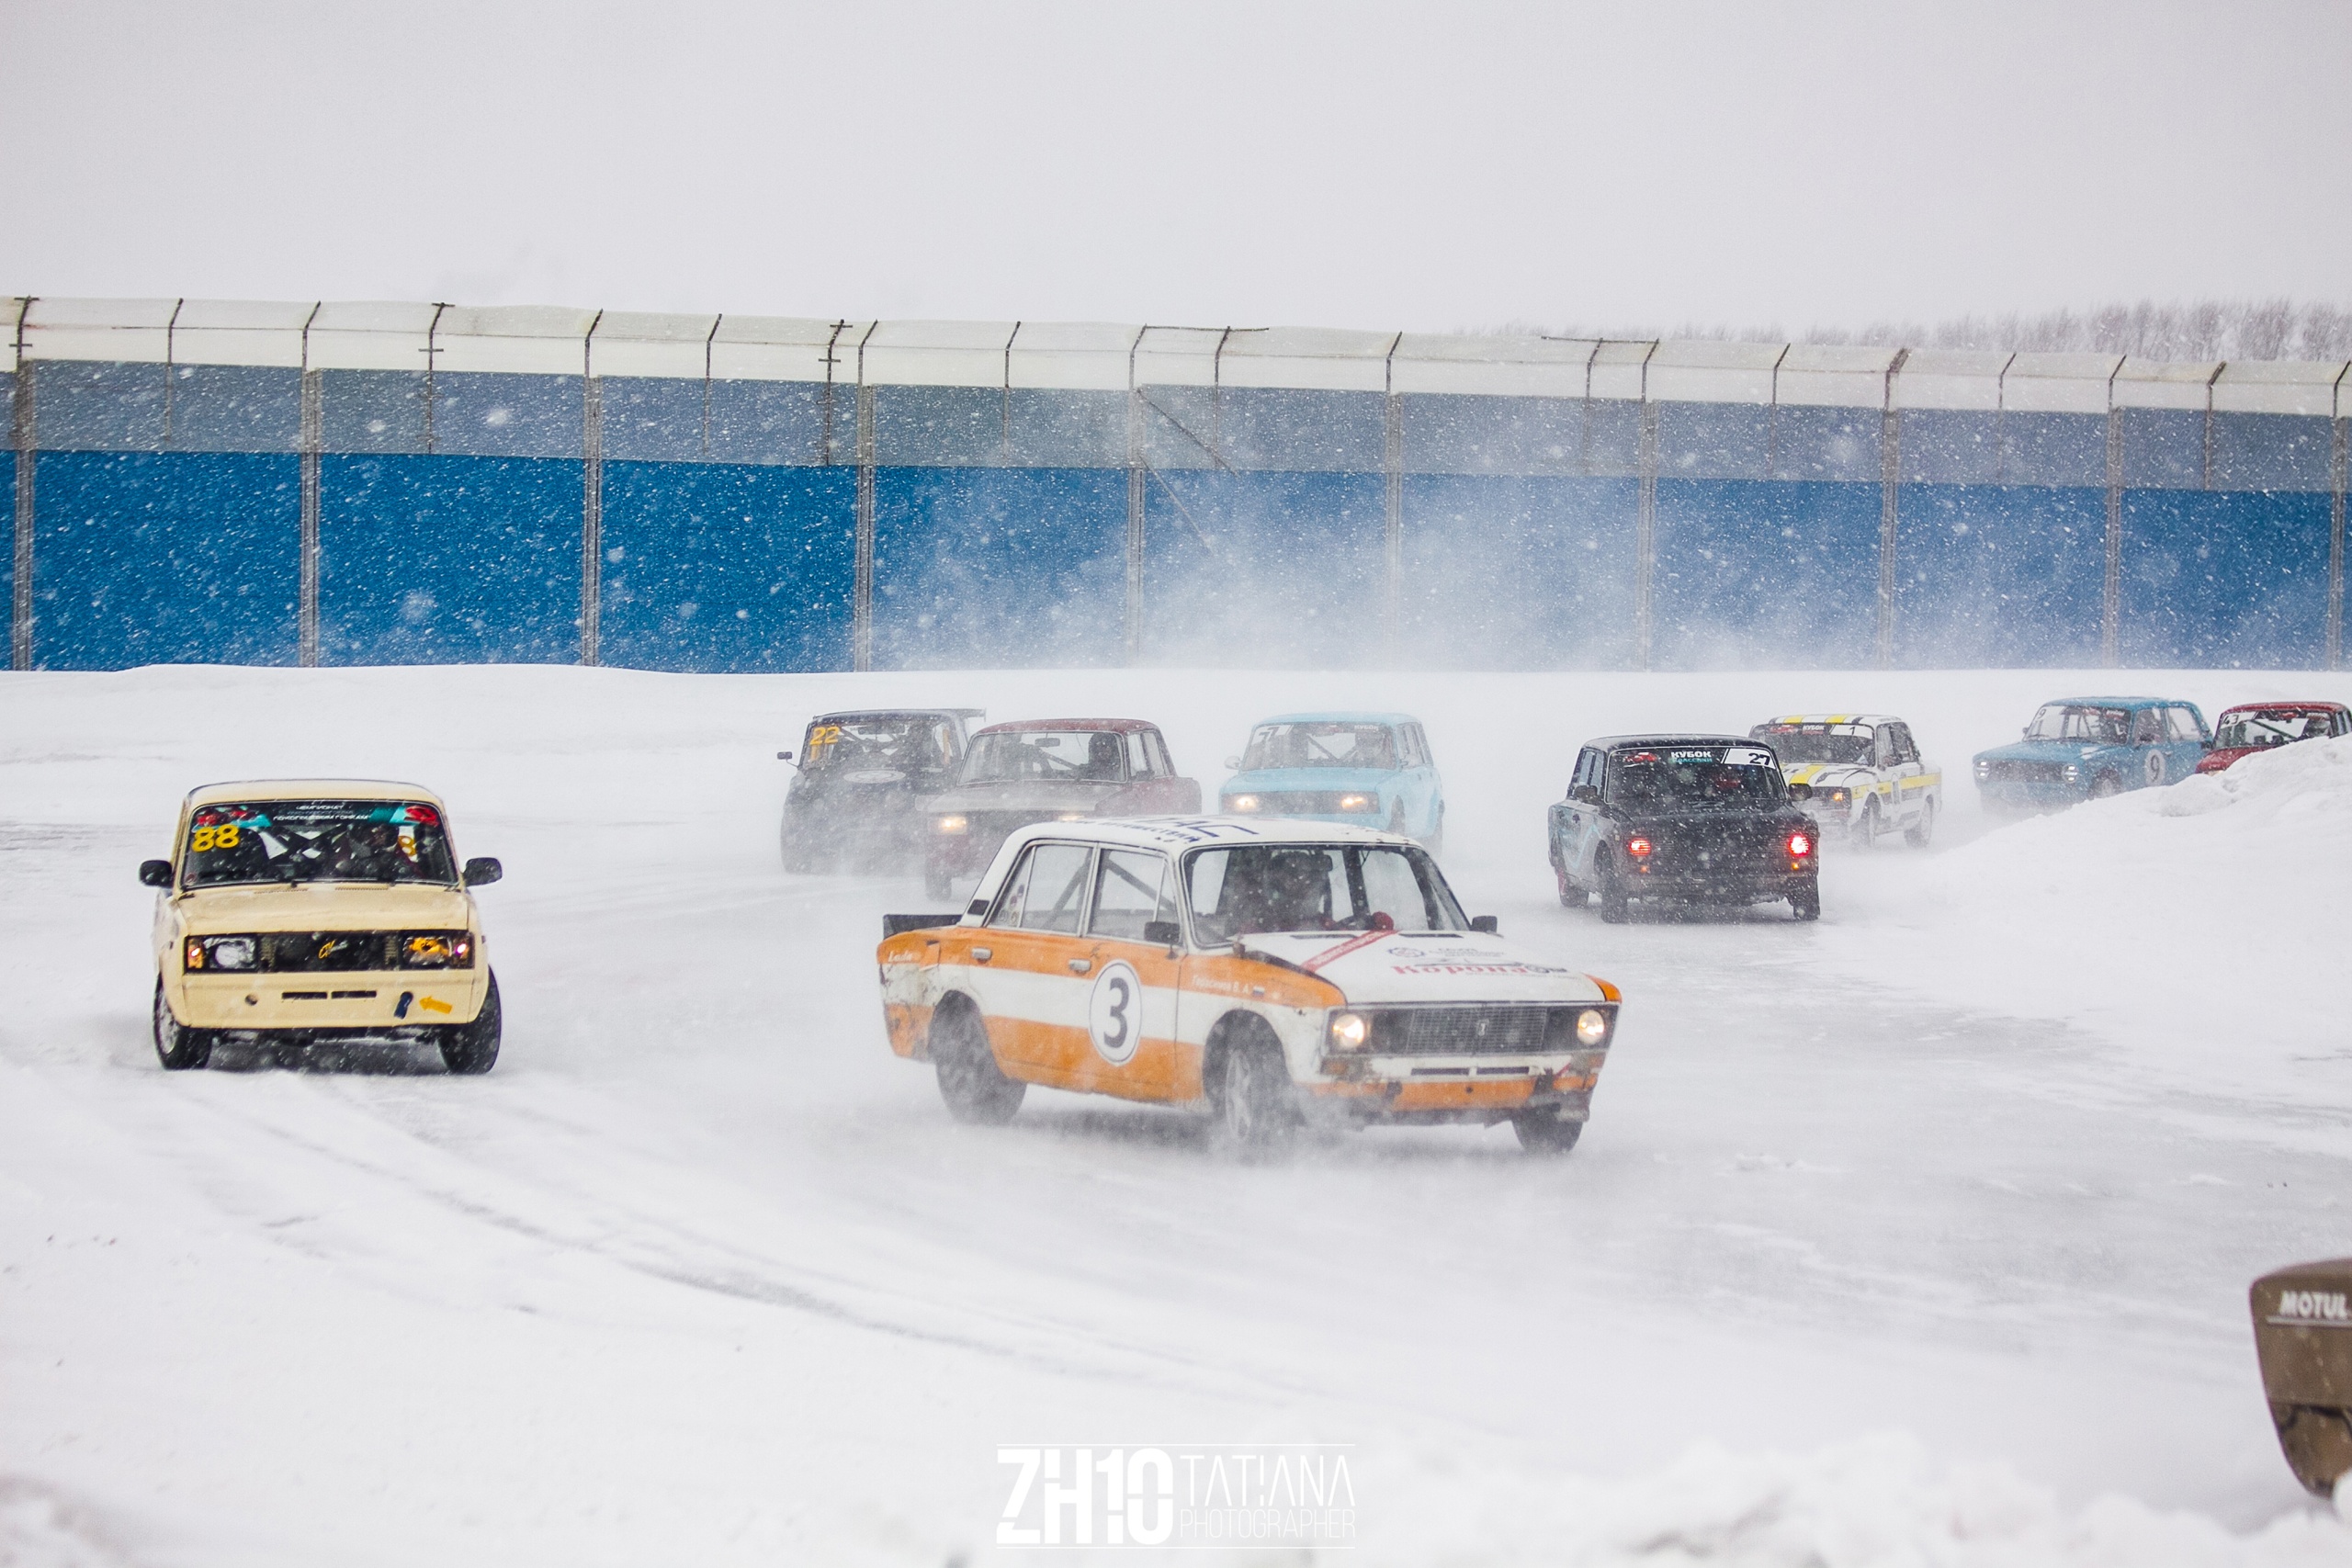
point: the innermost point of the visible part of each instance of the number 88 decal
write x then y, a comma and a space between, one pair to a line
1115, 1014
223, 838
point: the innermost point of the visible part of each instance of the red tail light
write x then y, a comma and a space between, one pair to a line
1637, 846
1800, 845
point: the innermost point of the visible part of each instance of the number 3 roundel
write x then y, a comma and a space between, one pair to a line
1114, 1013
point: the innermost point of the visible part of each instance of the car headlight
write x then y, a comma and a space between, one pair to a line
1592, 1027
1350, 1031
1837, 798
1984, 769
204, 953
2073, 771
1242, 803
1358, 803
1071, 817
437, 950
950, 825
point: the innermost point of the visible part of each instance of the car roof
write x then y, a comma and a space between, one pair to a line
1339, 717
1018, 725
1168, 833
243, 790
2119, 703
1669, 737
2299, 704
896, 713
1872, 718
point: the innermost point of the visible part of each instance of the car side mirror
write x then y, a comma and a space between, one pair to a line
1162, 933
783, 756
1233, 763
1489, 924
1800, 792
481, 872
155, 874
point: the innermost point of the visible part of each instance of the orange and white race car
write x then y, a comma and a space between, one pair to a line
1268, 972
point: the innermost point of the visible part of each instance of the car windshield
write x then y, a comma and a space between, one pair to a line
1685, 778
2066, 721
317, 840
2270, 727
1315, 888
1010, 756
1318, 744
898, 742
1817, 742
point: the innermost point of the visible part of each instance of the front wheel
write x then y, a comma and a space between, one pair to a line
2106, 786
473, 1048
177, 1046
1865, 832
1922, 833
975, 1088
1256, 1108
1571, 896
1543, 1133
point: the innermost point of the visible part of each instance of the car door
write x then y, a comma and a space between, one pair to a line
1428, 798
1576, 819
1155, 782
1133, 982
1903, 771
2150, 750
2185, 727
1030, 961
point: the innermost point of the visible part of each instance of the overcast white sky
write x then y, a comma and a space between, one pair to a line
1435, 166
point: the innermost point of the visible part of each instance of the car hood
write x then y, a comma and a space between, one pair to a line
326, 907
1822, 775
1374, 967
1029, 795
2045, 752
1357, 781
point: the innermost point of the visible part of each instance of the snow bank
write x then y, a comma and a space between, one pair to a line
2207, 916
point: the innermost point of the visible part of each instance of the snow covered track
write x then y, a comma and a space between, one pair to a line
1927, 1254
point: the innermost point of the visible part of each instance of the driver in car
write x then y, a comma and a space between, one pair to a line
371, 853
1291, 892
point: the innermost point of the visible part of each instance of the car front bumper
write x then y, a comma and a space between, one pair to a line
1430, 1091
346, 1002
2030, 795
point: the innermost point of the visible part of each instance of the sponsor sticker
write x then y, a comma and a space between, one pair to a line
2312, 1309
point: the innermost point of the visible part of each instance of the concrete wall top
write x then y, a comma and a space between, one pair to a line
1507, 366
2164, 384
786, 348
1108, 357
2284, 386
634, 343
1081, 356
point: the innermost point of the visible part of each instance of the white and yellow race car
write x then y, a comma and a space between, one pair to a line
295, 911
1865, 773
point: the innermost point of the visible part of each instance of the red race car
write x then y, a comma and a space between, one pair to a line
2256, 727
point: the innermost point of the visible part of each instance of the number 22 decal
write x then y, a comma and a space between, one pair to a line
1114, 1013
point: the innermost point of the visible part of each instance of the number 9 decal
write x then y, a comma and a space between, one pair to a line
1115, 1014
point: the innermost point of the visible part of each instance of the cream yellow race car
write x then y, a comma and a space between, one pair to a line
303, 910
1865, 772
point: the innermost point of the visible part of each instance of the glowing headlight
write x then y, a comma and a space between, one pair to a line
2073, 772
950, 825
1242, 803
1071, 817
1350, 1031
437, 950
1837, 798
219, 952
1358, 803
1984, 769
1592, 1027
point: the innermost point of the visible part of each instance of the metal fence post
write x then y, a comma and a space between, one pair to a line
1890, 479
20, 609
1136, 503
312, 441
2338, 450
2110, 613
1392, 609
1646, 534
592, 519
861, 619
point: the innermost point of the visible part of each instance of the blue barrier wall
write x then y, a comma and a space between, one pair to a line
1180, 524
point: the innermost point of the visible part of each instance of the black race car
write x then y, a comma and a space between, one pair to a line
860, 799
1701, 818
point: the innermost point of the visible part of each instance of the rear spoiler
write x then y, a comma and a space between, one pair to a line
892, 925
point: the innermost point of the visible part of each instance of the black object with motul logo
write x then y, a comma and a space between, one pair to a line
2302, 1336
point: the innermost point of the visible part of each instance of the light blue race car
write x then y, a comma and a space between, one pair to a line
2088, 747
1369, 769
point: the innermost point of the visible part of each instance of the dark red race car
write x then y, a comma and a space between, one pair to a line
2257, 727
1040, 769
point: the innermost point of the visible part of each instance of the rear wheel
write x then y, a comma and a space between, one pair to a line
1922, 833
1615, 905
177, 1046
1807, 905
1251, 1094
1543, 1132
976, 1089
473, 1048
